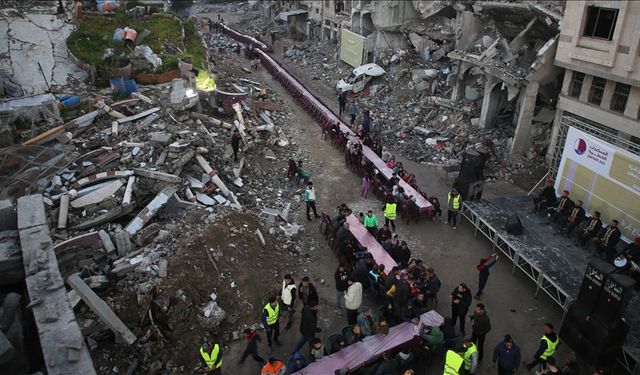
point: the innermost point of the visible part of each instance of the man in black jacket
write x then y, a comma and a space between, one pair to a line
481, 326
415, 307
308, 324
460, 302
575, 217
546, 198
605, 243
402, 255
561, 209
591, 229
307, 292
341, 276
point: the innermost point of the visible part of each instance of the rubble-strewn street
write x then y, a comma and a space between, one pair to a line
154, 170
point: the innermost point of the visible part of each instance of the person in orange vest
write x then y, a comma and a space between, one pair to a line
274, 367
211, 358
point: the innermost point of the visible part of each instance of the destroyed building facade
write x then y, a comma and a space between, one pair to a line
599, 48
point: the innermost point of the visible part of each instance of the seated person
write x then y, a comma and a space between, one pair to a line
296, 363
590, 230
576, 215
365, 321
354, 335
384, 234
317, 350
436, 208
337, 344
433, 337
381, 327
387, 366
561, 209
392, 162
546, 197
632, 251
386, 155
415, 307
606, 241
405, 360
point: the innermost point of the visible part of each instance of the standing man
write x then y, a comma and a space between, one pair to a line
211, 358
310, 199
366, 122
235, 144
252, 347
390, 214
353, 300
470, 356
341, 276
307, 292
480, 327
353, 111
506, 356
271, 321
308, 325
548, 344
483, 268
371, 223
342, 101
453, 361
460, 302
454, 202
288, 296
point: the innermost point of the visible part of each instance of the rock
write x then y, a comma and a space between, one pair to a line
418, 74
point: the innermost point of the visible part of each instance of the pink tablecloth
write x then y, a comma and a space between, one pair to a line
365, 238
423, 204
372, 347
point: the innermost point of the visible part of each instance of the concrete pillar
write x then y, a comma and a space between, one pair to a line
554, 136
609, 87
586, 88
458, 85
489, 102
522, 139
633, 103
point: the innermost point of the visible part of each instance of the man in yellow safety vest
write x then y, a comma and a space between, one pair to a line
454, 202
211, 358
271, 321
470, 356
453, 362
548, 344
390, 214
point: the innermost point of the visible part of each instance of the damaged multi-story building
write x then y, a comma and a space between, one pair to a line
598, 48
500, 52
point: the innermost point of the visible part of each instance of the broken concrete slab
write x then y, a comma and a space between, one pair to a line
108, 175
138, 116
156, 175
98, 195
106, 241
205, 199
62, 343
162, 138
123, 243
101, 309
150, 210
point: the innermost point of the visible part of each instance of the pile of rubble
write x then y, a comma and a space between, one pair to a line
123, 180
415, 106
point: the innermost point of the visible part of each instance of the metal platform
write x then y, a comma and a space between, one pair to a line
552, 262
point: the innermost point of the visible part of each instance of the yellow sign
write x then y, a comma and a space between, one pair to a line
626, 170
351, 48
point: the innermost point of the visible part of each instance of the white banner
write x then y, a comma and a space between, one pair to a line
351, 48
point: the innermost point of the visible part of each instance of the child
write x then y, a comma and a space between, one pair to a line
252, 346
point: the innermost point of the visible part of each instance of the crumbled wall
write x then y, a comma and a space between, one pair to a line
32, 39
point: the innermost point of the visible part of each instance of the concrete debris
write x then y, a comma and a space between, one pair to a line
101, 309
